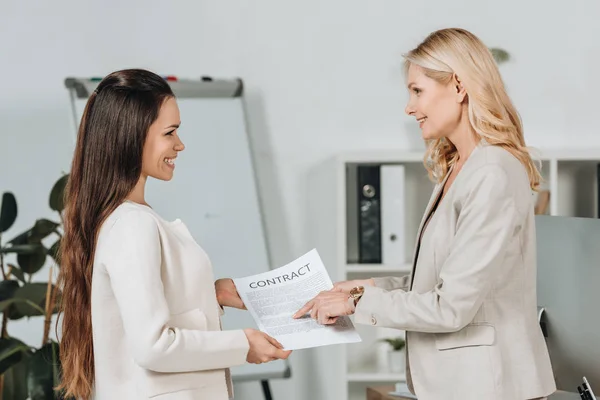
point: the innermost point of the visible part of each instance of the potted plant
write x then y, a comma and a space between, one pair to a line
396, 358
500, 55
29, 372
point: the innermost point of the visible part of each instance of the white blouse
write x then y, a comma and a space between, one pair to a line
155, 317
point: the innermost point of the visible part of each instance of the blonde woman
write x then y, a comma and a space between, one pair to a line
469, 306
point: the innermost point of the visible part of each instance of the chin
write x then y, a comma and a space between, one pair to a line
163, 177
431, 136
427, 136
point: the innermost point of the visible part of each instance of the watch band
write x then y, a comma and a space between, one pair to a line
356, 293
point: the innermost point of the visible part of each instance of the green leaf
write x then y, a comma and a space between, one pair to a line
500, 55
53, 252
12, 312
11, 296
11, 352
41, 372
35, 294
30, 257
15, 381
32, 263
8, 289
17, 272
24, 249
6, 304
396, 343
42, 228
57, 194
8, 211
23, 238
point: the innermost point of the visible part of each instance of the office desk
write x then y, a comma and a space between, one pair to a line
381, 393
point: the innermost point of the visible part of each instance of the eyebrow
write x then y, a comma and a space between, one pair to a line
173, 126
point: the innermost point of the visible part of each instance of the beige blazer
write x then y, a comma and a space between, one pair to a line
156, 321
469, 306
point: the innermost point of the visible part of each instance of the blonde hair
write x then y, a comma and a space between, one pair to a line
492, 115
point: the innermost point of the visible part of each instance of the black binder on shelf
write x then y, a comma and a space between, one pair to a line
598, 191
369, 214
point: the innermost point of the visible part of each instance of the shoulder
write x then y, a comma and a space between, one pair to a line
498, 158
495, 173
128, 223
128, 214
496, 163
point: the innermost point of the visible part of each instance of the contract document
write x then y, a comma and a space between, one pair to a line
274, 297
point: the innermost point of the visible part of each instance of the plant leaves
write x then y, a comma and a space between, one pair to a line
6, 304
24, 249
42, 228
41, 376
30, 257
33, 262
12, 312
35, 293
16, 272
8, 289
500, 55
7, 292
15, 381
23, 238
11, 352
57, 194
396, 343
53, 252
8, 211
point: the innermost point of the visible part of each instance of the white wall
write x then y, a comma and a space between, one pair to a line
321, 77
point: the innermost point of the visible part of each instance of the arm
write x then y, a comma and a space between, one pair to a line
392, 282
134, 267
485, 225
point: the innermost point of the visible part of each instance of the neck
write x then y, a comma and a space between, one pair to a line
137, 194
464, 139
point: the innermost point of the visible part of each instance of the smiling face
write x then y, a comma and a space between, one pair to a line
162, 143
437, 106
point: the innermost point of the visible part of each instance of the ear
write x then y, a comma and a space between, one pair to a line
461, 93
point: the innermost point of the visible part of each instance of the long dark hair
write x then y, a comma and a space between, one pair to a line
106, 166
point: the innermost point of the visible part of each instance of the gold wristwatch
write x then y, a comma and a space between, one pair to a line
356, 293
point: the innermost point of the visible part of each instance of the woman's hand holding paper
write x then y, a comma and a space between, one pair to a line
227, 294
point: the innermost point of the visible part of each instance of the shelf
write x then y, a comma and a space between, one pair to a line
382, 156
566, 154
372, 374
403, 156
378, 268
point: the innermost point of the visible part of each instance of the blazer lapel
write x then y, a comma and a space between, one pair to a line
437, 191
434, 198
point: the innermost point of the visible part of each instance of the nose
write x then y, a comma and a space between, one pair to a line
179, 146
410, 108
